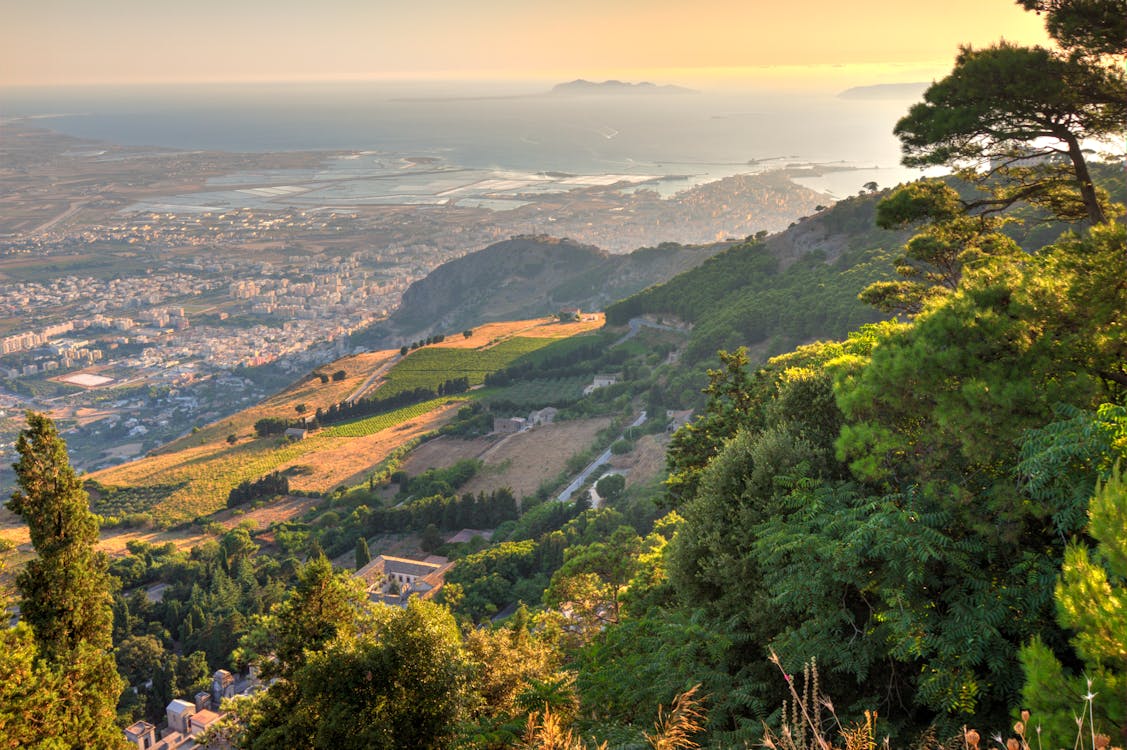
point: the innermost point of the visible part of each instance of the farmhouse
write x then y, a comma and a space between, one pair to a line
296, 433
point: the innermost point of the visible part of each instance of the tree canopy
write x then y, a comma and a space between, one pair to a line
1018, 119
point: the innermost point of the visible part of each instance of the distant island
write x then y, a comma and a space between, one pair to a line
886, 91
581, 86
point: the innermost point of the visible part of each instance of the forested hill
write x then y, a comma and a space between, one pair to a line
796, 286
530, 276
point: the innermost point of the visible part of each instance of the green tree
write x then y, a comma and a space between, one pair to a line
593, 578
431, 538
403, 681
1017, 117
730, 406
933, 260
322, 606
610, 486
1091, 598
31, 702
65, 592
1085, 27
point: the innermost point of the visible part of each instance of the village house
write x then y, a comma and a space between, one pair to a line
547, 415
222, 686
186, 721
600, 381
179, 713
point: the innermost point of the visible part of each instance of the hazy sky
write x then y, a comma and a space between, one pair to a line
141, 41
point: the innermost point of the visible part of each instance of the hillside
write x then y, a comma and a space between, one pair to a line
192, 476
530, 276
798, 285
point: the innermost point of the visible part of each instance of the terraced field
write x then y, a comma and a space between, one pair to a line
196, 480
431, 366
192, 476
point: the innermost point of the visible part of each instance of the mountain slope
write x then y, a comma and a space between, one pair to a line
795, 286
529, 276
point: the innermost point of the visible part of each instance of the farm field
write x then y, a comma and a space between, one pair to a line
309, 391
535, 328
192, 476
489, 349
195, 481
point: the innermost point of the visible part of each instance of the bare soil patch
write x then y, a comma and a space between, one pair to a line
646, 462
446, 451
537, 328
286, 509
351, 461
524, 460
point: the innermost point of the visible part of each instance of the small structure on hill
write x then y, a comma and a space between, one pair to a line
677, 419
600, 381
394, 580
179, 713
509, 425
547, 415
296, 433
222, 686
141, 735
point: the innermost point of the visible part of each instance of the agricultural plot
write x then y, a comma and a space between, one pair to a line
535, 394
431, 366
372, 425
192, 476
122, 501
196, 481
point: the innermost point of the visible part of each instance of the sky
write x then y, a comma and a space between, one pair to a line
80, 42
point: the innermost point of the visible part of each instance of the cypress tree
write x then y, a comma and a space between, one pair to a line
65, 592
363, 555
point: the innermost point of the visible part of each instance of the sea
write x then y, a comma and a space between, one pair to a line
697, 137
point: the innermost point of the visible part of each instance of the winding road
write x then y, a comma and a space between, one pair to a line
584, 475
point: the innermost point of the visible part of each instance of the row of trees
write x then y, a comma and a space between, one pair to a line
435, 339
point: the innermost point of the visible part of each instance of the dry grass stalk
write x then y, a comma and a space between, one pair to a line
546, 731
862, 736
674, 730
802, 715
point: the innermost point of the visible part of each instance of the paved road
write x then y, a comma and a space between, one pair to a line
584, 475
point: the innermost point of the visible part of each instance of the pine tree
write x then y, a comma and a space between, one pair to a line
65, 593
1092, 603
